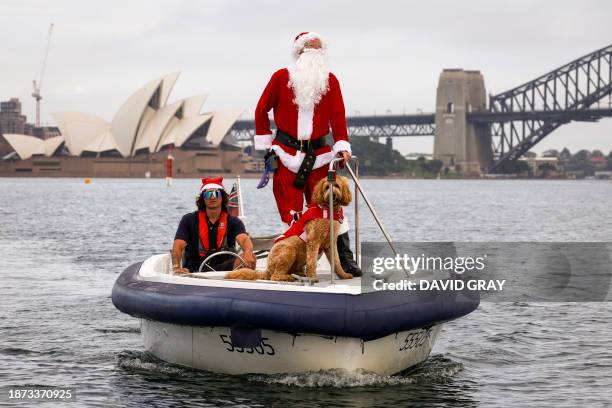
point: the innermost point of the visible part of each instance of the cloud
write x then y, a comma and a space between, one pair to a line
387, 54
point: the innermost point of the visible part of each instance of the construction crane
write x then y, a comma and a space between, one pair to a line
38, 85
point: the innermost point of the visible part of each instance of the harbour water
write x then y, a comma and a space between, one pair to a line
63, 244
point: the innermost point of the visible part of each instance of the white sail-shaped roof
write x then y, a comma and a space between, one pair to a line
79, 129
179, 130
52, 144
159, 123
105, 142
193, 105
222, 122
171, 125
168, 82
183, 130
124, 125
27, 146
144, 121
141, 142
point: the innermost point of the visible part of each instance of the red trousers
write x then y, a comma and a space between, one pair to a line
289, 198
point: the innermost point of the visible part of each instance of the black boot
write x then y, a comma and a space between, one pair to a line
346, 255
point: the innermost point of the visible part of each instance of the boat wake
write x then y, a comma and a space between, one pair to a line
145, 362
437, 369
337, 378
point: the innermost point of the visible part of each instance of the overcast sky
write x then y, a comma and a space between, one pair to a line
387, 54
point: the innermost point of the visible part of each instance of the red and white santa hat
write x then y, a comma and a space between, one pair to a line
212, 183
302, 38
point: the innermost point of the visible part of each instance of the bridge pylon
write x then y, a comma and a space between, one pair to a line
460, 144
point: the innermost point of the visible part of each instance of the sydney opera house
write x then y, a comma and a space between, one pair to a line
135, 142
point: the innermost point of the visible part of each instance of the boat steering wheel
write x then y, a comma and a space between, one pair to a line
208, 258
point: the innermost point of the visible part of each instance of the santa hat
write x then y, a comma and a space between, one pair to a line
303, 38
211, 184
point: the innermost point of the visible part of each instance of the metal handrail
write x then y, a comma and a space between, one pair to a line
357, 238
372, 210
331, 173
239, 194
330, 179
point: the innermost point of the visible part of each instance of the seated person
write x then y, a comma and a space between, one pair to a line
208, 230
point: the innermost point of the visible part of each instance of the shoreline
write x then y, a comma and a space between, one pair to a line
255, 176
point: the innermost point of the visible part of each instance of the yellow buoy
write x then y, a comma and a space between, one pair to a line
87, 180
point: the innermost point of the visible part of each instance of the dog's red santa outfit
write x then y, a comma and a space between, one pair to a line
312, 213
307, 101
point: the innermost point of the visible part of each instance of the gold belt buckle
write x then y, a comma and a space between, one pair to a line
301, 145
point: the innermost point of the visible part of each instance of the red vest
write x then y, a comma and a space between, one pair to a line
311, 213
203, 227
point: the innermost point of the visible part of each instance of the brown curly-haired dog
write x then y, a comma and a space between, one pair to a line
290, 255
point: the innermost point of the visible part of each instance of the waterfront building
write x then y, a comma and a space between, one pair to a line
133, 143
11, 121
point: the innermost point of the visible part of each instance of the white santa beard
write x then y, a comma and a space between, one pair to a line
309, 80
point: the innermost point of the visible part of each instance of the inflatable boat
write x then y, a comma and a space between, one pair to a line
204, 321
240, 327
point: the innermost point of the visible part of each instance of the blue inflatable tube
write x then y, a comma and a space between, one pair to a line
367, 316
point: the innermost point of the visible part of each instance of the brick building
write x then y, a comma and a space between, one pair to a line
11, 121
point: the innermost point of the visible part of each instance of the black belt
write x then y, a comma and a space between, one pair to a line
301, 145
304, 146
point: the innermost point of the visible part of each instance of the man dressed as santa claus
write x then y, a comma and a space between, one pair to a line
307, 101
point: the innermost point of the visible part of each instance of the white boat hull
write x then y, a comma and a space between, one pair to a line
210, 348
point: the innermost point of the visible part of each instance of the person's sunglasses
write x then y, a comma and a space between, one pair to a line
210, 194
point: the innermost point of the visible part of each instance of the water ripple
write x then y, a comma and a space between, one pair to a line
59, 326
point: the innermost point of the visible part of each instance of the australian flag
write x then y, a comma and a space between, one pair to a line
232, 203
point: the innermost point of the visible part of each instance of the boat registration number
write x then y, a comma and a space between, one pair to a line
262, 348
415, 339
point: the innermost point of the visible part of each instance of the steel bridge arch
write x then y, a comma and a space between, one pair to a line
568, 91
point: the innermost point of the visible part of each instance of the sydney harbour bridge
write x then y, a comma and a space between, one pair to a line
478, 135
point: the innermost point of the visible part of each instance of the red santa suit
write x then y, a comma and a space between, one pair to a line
301, 124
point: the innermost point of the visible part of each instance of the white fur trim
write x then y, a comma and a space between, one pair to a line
305, 117
263, 142
210, 186
298, 45
340, 146
344, 226
294, 162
